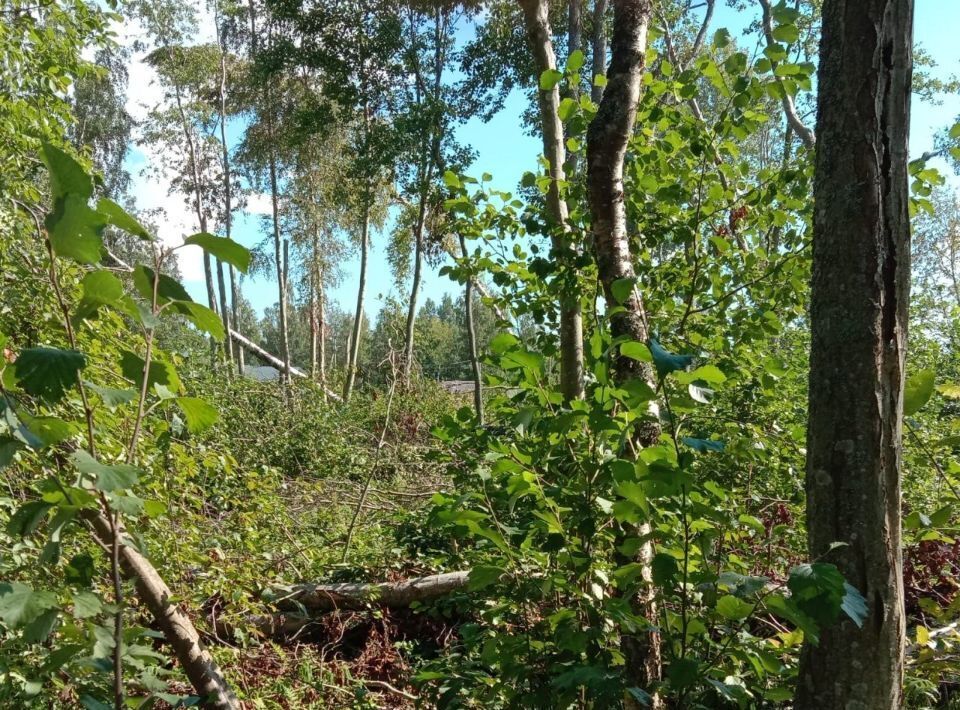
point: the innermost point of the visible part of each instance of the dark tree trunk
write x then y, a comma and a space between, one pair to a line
537, 21
858, 318
607, 139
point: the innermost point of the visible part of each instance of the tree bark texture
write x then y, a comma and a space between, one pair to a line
858, 317
537, 23
607, 138
197, 663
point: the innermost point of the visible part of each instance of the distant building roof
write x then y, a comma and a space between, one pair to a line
261, 373
457, 386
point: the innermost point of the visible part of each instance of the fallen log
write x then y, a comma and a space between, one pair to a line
354, 595
245, 342
298, 606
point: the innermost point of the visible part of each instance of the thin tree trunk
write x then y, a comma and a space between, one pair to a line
197, 663
858, 317
278, 261
321, 329
224, 310
536, 18
414, 290
313, 309
235, 310
229, 314
353, 348
574, 43
599, 48
607, 139
472, 340
198, 196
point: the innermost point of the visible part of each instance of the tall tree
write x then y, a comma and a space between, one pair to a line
537, 21
858, 320
607, 139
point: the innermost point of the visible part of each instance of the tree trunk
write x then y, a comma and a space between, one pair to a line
312, 314
414, 289
322, 329
607, 139
235, 309
229, 315
224, 310
536, 18
281, 271
353, 350
472, 341
858, 318
197, 663
599, 48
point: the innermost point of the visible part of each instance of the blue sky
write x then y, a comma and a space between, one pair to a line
506, 152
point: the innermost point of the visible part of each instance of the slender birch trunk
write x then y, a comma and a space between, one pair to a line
353, 347
472, 340
537, 22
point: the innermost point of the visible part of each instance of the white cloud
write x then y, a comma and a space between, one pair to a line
152, 192
259, 203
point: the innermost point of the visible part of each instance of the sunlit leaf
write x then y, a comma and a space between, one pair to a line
224, 249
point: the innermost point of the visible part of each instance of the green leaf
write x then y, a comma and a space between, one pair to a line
199, 415
108, 478
621, 289
75, 229
636, 351
955, 130
223, 249
28, 518
817, 590
112, 398
20, 604
742, 585
67, 176
161, 372
729, 607
40, 432
566, 109
79, 570
118, 217
786, 33
202, 317
86, 604
917, 392
664, 569
665, 361
40, 628
8, 447
483, 576
575, 61
48, 372
100, 288
710, 374
721, 38
452, 180
168, 288
549, 79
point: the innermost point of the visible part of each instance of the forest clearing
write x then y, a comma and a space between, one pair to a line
479, 354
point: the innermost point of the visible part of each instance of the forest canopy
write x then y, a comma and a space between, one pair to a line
481, 354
